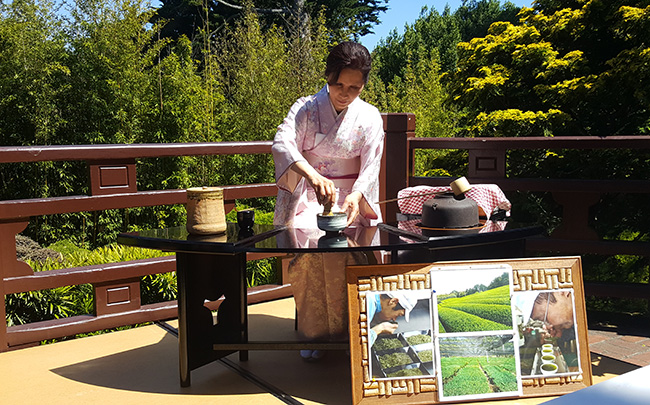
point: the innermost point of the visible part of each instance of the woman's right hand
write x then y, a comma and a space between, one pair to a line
324, 187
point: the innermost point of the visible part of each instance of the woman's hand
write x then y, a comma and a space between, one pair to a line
324, 187
351, 206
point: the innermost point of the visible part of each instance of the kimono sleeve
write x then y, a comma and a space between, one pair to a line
287, 145
368, 181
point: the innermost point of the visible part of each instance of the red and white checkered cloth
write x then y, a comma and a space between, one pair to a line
487, 196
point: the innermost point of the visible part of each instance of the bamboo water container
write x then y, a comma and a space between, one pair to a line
205, 211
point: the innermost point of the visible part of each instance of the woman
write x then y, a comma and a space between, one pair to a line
328, 150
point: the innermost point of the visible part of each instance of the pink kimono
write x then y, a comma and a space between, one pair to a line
346, 148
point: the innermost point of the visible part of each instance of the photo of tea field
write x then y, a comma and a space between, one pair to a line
478, 365
484, 310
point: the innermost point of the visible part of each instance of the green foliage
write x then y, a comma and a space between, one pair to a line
475, 17
504, 380
111, 58
578, 68
158, 288
261, 272
263, 74
41, 305
465, 380
435, 33
431, 34
254, 65
419, 92
104, 74
458, 321
499, 295
498, 313
409, 68
485, 310
468, 380
78, 300
522, 123
69, 301
34, 72
346, 19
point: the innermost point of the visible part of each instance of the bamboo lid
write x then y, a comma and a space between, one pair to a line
205, 193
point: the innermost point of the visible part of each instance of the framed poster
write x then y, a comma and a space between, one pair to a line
420, 333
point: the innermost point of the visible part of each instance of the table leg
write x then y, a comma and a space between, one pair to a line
209, 277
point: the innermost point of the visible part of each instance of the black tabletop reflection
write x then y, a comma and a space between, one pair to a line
402, 235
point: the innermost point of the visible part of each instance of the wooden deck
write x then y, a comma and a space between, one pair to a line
141, 366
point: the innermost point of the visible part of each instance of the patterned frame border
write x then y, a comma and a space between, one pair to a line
545, 279
528, 274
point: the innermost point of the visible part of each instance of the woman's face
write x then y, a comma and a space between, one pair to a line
346, 88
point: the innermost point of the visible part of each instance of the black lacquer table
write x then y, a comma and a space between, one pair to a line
212, 267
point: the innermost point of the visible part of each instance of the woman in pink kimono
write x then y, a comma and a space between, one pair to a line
328, 150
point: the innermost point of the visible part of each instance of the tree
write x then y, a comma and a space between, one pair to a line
502, 280
475, 17
568, 68
34, 72
348, 19
581, 69
431, 34
262, 74
439, 33
345, 19
111, 57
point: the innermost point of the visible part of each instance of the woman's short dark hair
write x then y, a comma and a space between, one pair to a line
349, 55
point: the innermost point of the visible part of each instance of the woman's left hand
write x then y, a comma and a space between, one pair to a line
351, 206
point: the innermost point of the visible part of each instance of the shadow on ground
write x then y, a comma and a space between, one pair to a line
154, 369
619, 322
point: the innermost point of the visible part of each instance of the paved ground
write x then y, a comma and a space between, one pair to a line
628, 348
621, 336
140, 366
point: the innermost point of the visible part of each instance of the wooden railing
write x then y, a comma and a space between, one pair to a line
113, 176
487, 164
112, 173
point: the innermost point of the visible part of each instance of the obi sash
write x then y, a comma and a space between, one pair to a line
334, 168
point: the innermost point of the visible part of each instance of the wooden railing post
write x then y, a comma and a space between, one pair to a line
10, 266
396, 160
575, 215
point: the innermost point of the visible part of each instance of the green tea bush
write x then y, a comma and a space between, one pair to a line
459, 321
